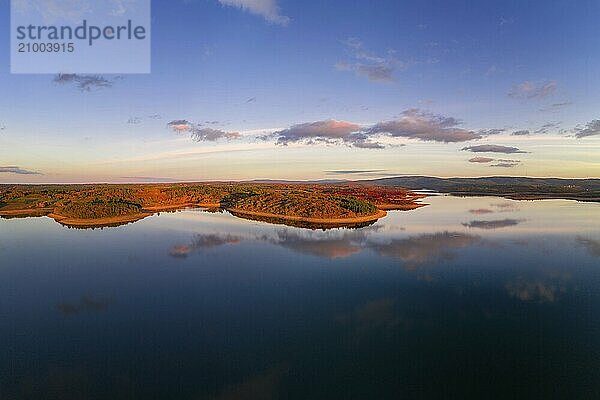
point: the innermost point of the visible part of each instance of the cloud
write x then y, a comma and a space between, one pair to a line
121, 7
488, 132
506, 163
421, 125
268, 9
211, 135
533, 90
85, 83
328, 131
481, 160
134, 121
55, 10
181, 125
16, 170
366, 64
521, 133
592, 128
555, 107
355, 171
547, 127
492, 148
251, 100
200, 134
496, 224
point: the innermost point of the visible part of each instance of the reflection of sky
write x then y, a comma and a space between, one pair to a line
212, 291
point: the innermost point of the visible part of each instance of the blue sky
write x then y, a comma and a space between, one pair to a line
405, 82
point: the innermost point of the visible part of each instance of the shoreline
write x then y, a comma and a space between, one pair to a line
149, 211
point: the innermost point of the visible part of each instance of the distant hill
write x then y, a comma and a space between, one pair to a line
512, 187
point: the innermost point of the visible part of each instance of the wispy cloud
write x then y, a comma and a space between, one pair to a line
12, 169
502, 163
369, 65
211, 135
354, 171
533, 90
548, 127
199, 133
52, 10
85, 83
421, 125
555, 107
180, 125
523, 132
493, 148
489, 132
268, 9
592, 128
481, 160
506, 163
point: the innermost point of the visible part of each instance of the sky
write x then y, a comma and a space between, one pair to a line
302, 90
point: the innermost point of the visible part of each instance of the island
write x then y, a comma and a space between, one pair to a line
296, 204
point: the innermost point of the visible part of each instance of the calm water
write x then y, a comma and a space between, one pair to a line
466, 298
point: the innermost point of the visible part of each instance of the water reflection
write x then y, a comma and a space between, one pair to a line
593, 246
495, 224
214, 307
85, 304
539, 290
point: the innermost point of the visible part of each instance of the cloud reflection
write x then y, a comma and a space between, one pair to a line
495, 224
417, 250
592, 246
86, 304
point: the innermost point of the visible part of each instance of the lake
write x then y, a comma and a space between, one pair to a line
478, 297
